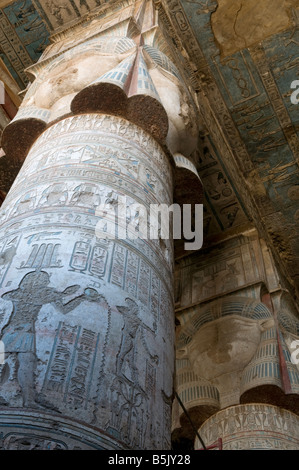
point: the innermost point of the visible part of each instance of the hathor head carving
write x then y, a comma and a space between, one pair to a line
229, 350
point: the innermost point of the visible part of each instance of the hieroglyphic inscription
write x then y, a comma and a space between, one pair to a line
86, 258
132, 273
155, 295
43, 256
98, 261
80, 381
144, 283
102, 343
118, 265
70, 368
80, 255
252, 427
61, 358
150, 378
275, 97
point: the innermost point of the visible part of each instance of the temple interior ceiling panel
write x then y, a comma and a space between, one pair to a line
246, 63
247, 81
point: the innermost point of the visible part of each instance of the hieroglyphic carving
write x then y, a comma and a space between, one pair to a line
19, 441
241, 266
11, 40
19, 334
71, 368
252, 427
113, 147
85, 257
213, 109
130, 411
132, 327
8, 249
58, 369
274, 95
43, 256
236, 71
96, 354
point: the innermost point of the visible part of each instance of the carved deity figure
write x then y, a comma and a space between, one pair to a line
18, 335
127, 352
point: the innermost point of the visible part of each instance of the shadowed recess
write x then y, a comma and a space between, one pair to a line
19, 136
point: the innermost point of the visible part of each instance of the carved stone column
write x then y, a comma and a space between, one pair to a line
88, 320
233, 351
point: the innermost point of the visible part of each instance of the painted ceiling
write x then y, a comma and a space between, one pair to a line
244, 56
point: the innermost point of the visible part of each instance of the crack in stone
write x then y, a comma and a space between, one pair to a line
235, 22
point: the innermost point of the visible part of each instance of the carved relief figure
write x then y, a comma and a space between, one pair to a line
131, 326
85, 194
19, 334
56, 194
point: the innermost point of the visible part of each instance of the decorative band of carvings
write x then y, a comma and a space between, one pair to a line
252, 427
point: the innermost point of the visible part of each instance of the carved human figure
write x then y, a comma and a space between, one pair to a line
132, 324
19, 334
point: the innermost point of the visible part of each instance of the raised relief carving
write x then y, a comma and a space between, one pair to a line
30, 441
125, 365
18, 335
251, 427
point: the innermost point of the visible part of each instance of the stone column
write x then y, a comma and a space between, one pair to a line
87, 322
233, 352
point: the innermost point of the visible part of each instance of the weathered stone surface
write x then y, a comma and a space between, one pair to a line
230, 352
251, 427
28, 429
243, 23
95, 325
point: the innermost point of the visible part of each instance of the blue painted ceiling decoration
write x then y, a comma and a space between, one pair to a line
249, 91
23, 37
243, 74
25, 28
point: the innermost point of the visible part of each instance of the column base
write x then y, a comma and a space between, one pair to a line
26, 429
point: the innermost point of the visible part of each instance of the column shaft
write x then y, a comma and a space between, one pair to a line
87, 322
